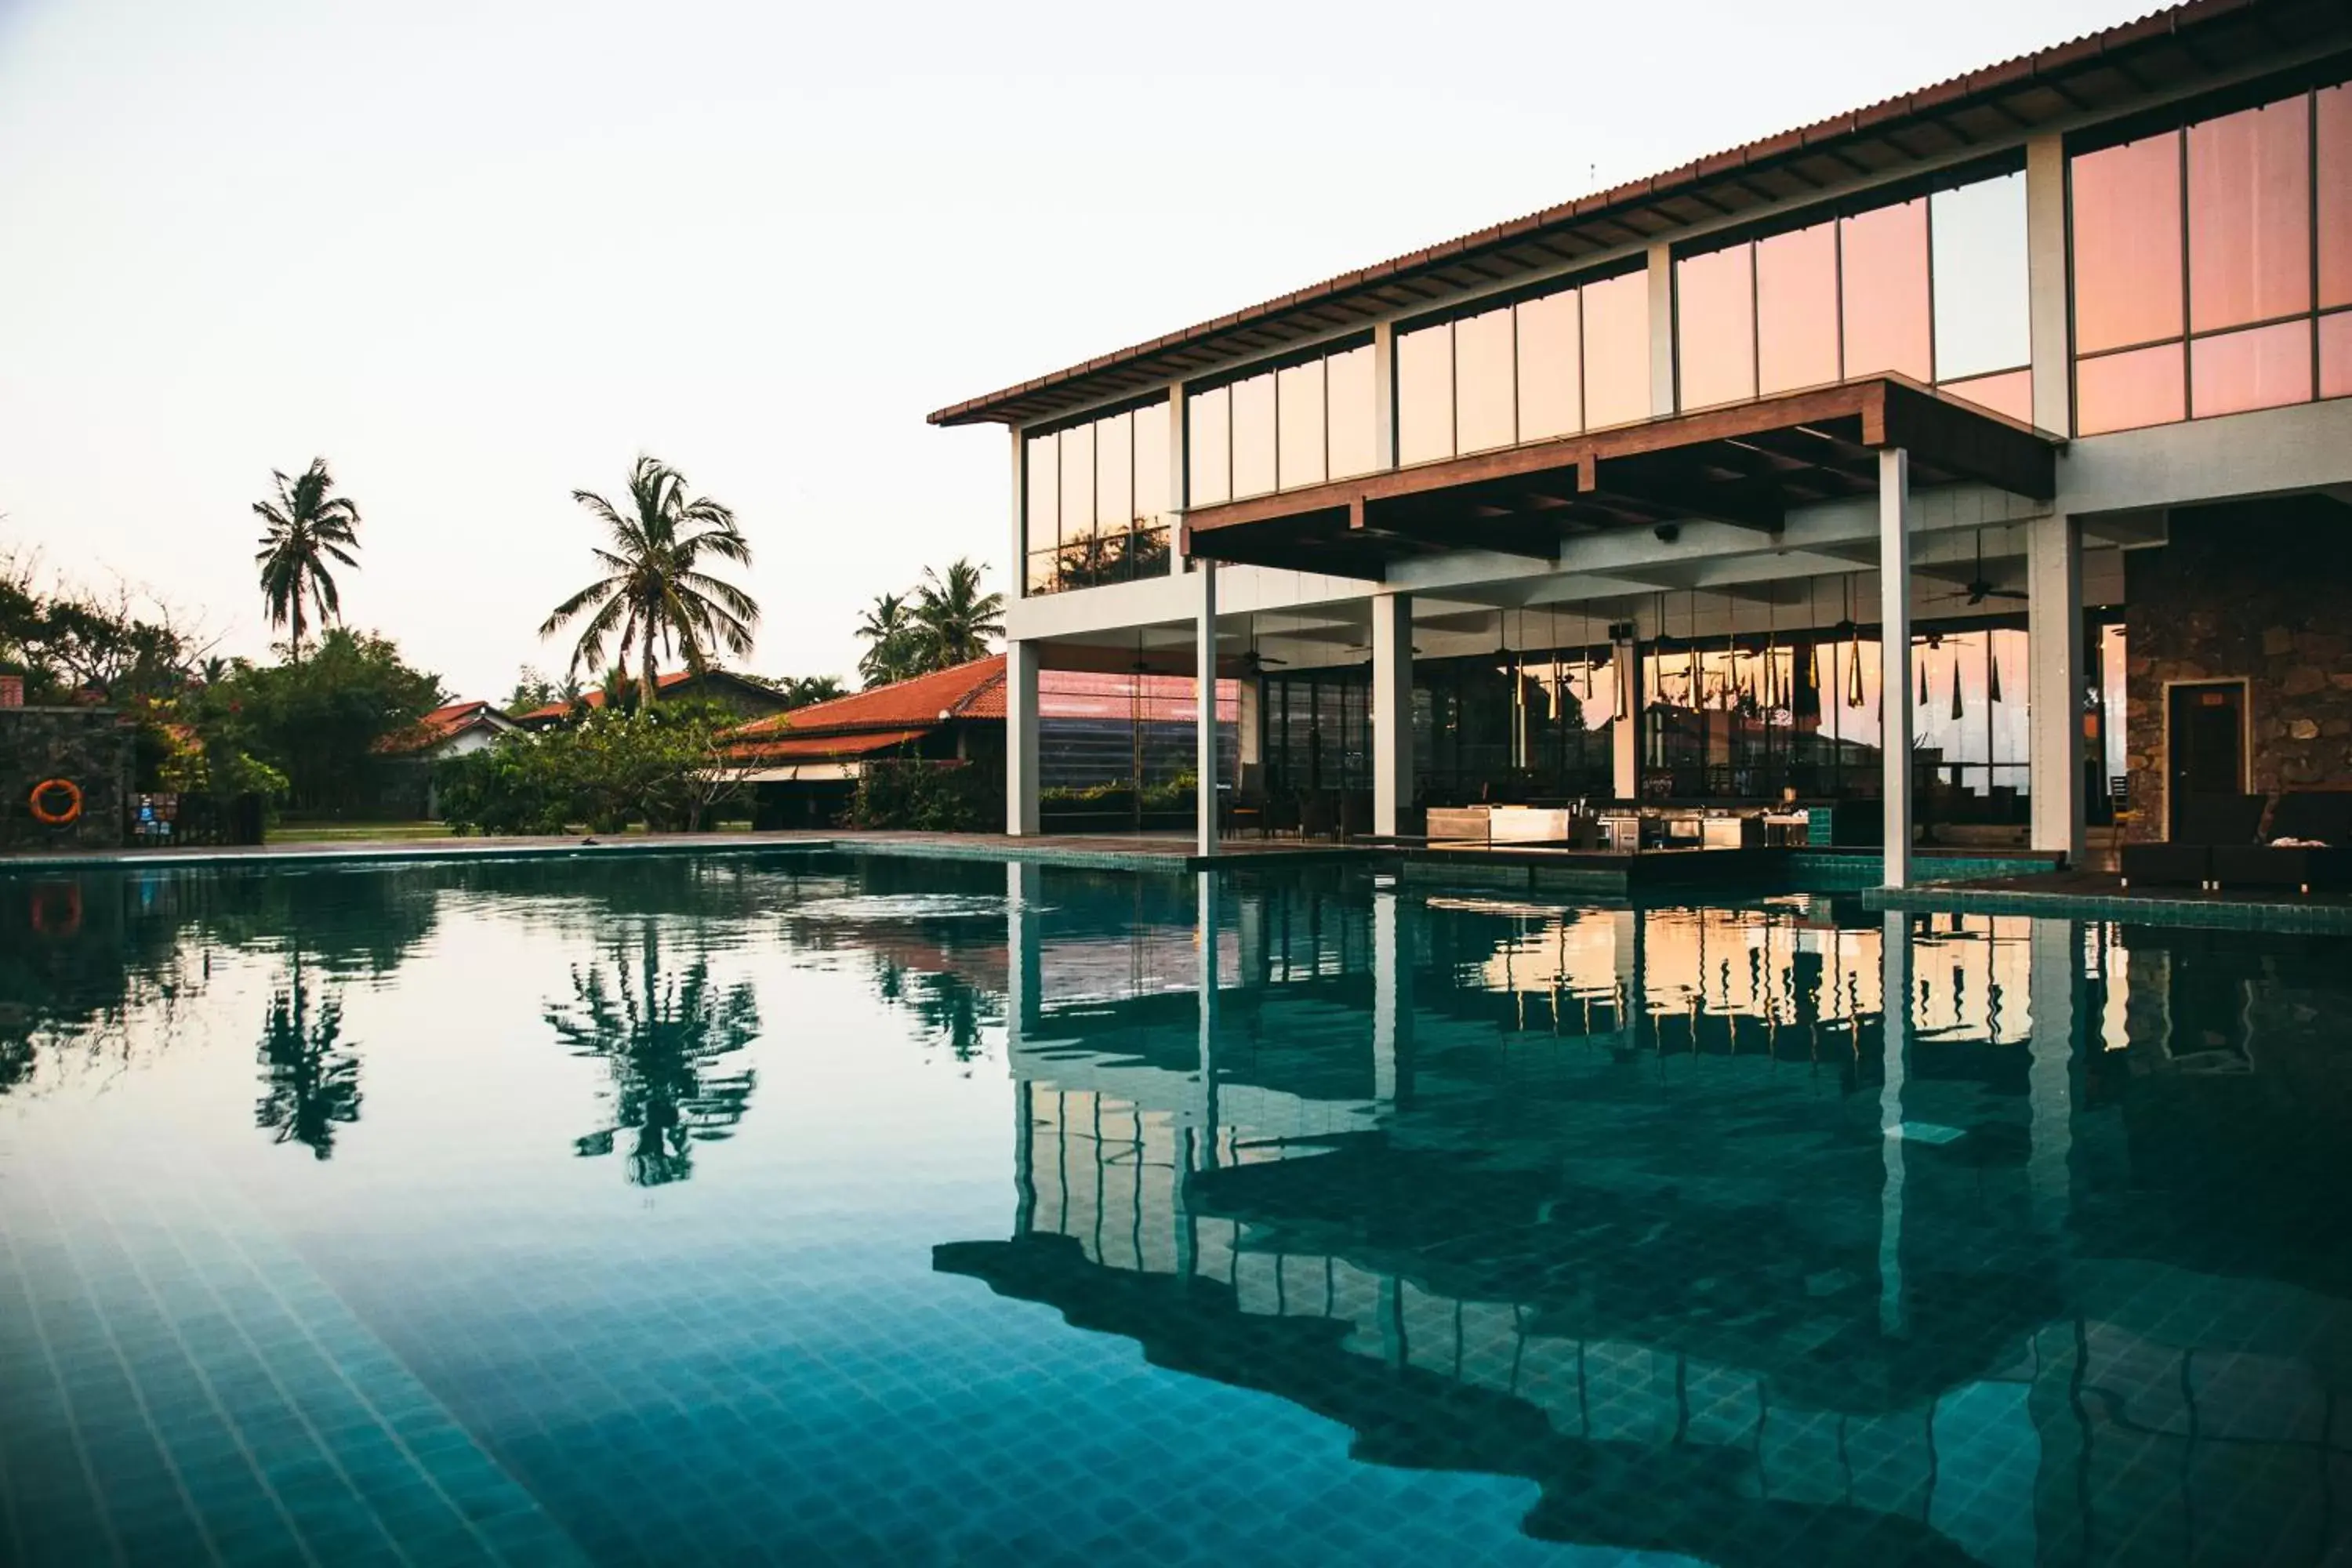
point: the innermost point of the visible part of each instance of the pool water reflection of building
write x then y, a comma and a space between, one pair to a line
1652, 1207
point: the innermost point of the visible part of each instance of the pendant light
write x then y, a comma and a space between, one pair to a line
1923, 683
1854, 670
1992, 662
1956, 686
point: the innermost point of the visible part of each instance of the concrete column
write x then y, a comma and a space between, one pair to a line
1204, 678
1391, 709
2054, 964
2055, 681
2045, 261
1895, 1009
1176, 498
1384, 396
1626, 738
1894, 656
1249, 713
1021, 739
1661, 329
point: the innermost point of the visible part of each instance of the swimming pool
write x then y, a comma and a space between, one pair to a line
810, 1207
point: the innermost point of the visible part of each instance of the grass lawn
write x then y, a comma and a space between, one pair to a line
355, 832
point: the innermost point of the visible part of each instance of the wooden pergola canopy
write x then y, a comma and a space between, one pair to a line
1746, 464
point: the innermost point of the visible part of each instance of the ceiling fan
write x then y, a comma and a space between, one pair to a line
1979, 588
1254, 662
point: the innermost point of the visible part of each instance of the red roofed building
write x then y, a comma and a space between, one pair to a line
746, 695
450, 730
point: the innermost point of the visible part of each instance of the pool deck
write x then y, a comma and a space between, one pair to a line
1145, 851
2100, 896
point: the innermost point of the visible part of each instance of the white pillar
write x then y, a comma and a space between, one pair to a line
1391, 709
1625, 737
1894, 656
1661, 329
2055, 682
2046, 271
1204, 676
1894, 1012
1021, 739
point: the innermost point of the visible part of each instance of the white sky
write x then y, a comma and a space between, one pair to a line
479, 254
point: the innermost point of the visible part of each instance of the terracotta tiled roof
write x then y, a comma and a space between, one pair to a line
821, 748
973, 691
431, 729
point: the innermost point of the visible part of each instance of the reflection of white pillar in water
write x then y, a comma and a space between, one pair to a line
1204, 699
2053, 959
1024, 985
1895, 659
1392, 998
1894, 1010
1625, 948
1205, 934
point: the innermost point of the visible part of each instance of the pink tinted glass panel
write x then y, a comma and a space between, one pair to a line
1485, 382
2009, 392
2335, 178
1425, 376
1714, 327
1884, 280
2122, 391
1617, 351
2250, 215
2260, 368
1551, 366
2127, 243
1797, 309
2335, 355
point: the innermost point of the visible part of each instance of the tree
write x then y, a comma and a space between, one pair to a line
893, 642
957, 621
803, 690
654, 593
318, 723
304, 528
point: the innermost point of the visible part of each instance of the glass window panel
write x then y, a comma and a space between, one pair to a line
1982, 320
1351, 402
2336, 356
2250, 215
2260, 368
1882, 281
1208, 439
1424, 373
2333, 115
1300, 392
2009, 392
1254, 468
1045, 498
1551, 371
2127, 243
1115, 471
1151, 476
1714, 327
1482, 381
1617, 350
1797, 309
1077, 482
2121, 391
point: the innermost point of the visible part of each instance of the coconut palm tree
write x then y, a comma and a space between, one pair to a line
306, 526
957, 620
892, 639
654, 593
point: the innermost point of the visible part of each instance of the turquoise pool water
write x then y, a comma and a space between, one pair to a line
807, 1208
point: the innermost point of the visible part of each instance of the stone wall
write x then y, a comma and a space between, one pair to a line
91, 746
2258, 590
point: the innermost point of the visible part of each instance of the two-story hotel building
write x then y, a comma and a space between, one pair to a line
1981, 453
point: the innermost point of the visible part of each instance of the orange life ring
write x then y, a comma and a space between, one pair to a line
55, 817
48, 918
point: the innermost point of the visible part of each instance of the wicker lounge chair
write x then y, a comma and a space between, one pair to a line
2186, 861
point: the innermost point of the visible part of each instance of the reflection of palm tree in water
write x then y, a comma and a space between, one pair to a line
949, 1007
659, 1037
312, 1084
